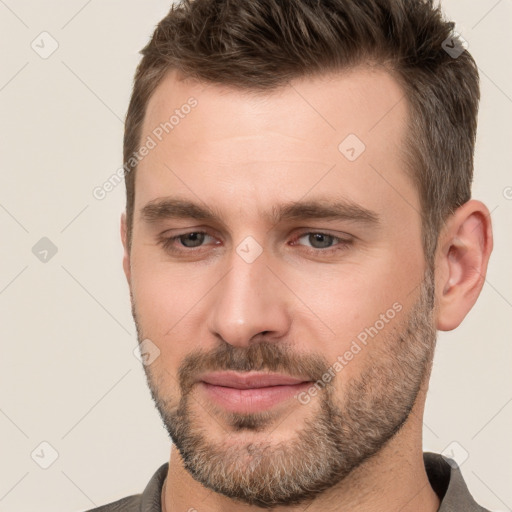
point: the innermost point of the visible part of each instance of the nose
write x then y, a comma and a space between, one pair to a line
249, 301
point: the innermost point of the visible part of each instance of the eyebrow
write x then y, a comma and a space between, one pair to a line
172, 208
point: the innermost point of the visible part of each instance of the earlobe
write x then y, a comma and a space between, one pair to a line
126, 255
465, 245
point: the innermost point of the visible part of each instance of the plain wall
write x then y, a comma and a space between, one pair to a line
68, 373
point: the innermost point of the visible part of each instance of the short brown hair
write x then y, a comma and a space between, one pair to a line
261, 45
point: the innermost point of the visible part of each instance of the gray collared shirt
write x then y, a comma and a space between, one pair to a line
445, 478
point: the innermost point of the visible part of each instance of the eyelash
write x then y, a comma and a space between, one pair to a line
343, 243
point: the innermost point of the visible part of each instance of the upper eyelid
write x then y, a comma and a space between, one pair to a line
301, 233
339, 236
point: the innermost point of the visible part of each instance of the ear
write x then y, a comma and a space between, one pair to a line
126, 256
464, 247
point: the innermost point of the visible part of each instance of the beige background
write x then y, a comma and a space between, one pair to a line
68, 374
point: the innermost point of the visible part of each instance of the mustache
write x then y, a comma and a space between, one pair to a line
263, 356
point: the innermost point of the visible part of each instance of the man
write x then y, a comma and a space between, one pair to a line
299, 224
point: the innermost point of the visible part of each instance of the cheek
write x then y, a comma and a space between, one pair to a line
164, 306
355, 304
164, 295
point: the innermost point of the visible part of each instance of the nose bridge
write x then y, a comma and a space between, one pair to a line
248, 300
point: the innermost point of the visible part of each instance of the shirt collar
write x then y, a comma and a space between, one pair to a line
446, 479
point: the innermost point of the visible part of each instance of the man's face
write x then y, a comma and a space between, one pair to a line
271, 284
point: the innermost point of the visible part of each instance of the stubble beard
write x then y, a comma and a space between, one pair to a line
336, 436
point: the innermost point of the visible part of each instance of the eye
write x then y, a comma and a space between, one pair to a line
191, 240
323, 242
314, 242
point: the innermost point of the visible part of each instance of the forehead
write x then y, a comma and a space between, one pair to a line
219, 142
362, 100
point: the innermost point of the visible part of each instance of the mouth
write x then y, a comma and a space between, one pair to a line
250, 392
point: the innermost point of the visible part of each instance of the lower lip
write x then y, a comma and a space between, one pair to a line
254, 399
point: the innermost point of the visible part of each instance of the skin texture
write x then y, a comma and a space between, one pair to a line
297, 307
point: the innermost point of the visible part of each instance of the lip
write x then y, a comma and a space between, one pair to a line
250, 380
250, 392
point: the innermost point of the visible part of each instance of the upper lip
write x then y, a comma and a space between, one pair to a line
249, 380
